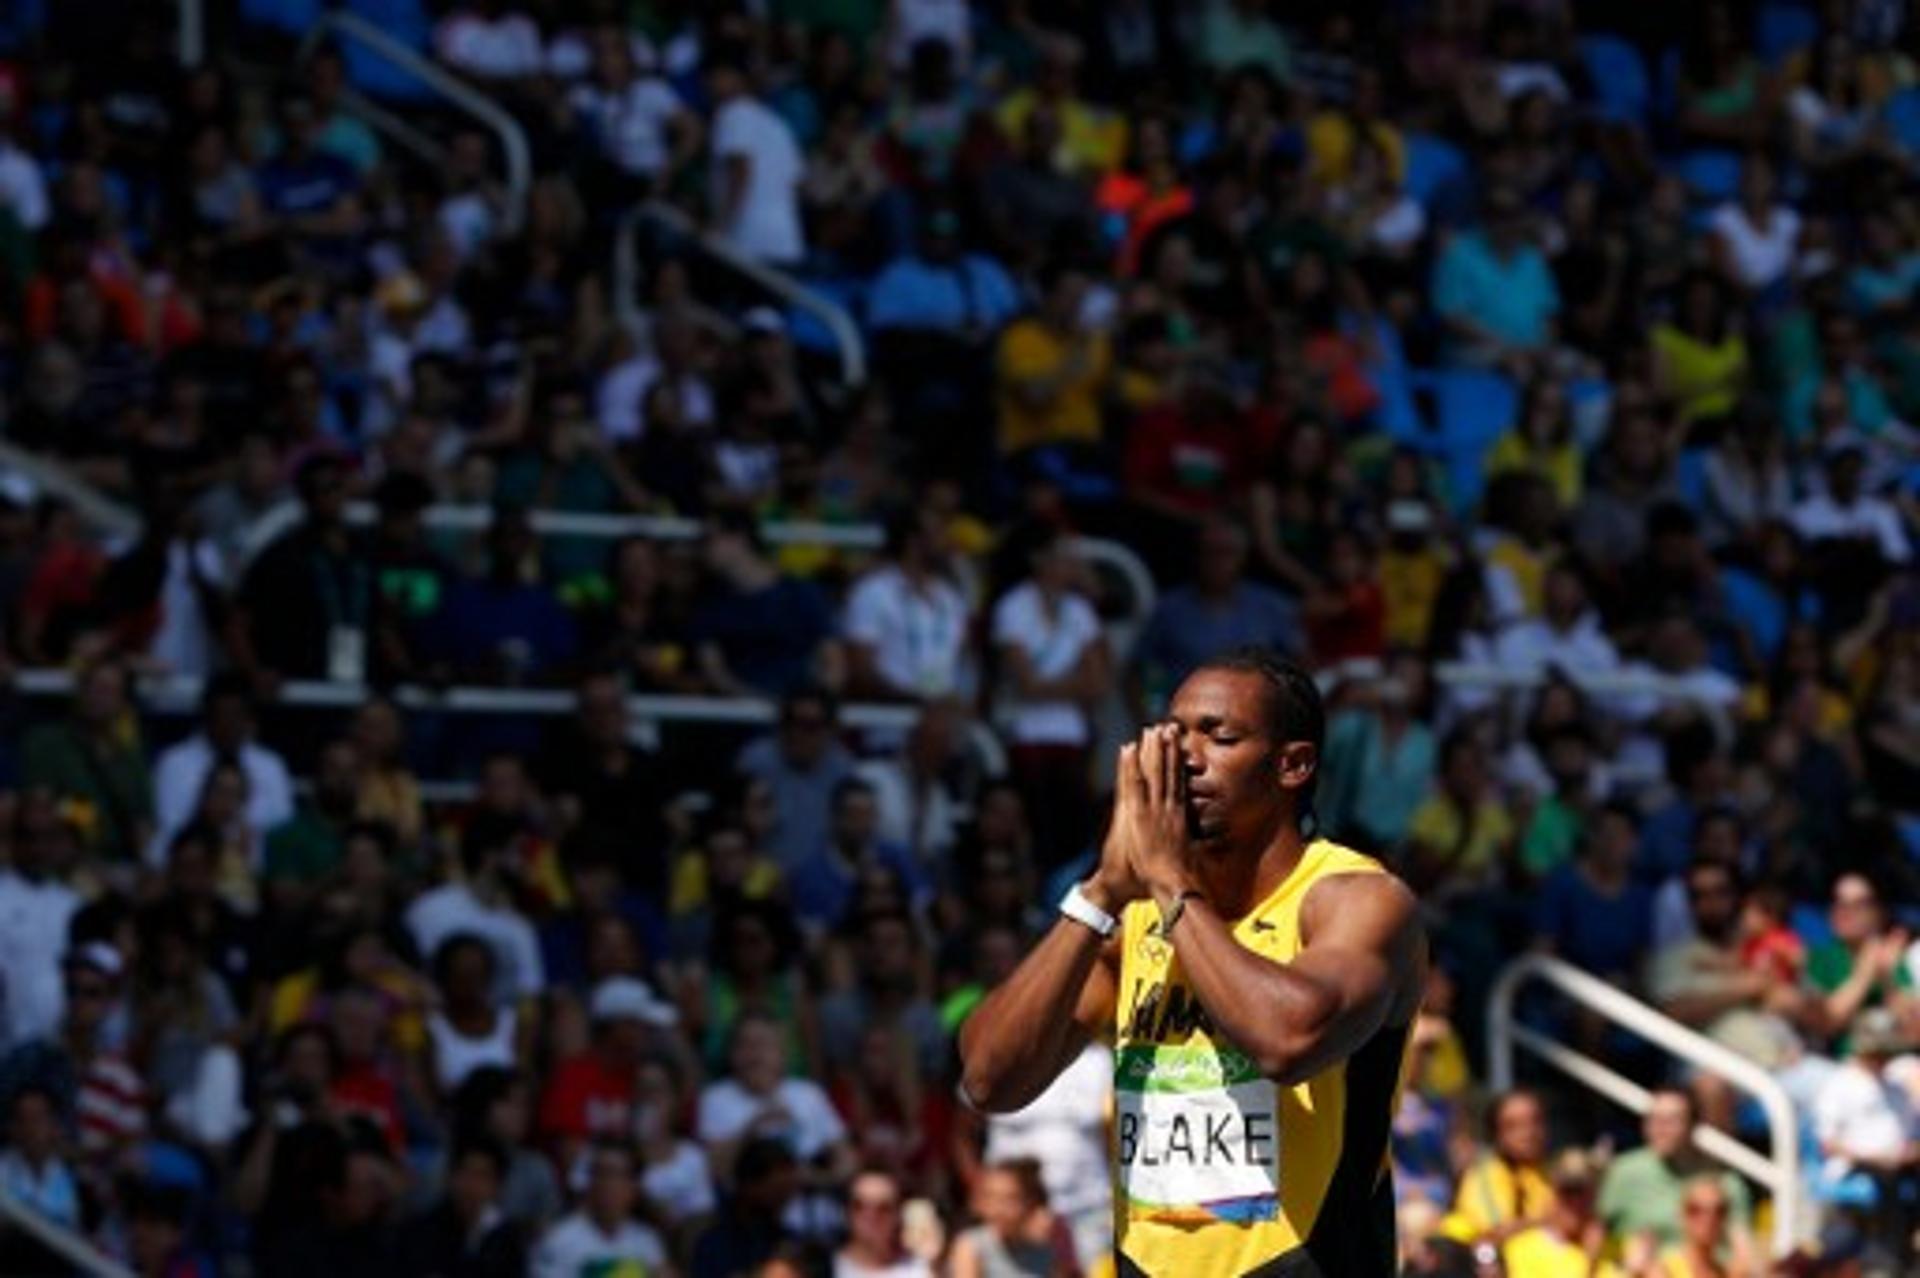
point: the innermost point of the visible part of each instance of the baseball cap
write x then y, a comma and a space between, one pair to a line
96, 956
763, 319
625, 998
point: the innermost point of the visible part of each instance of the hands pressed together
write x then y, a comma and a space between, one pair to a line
1149, 850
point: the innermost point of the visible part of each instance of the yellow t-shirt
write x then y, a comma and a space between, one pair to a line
1219, 1169
1410, 585
1558, 464
1031, 350
1438, 825
1091, 141
1704, 381
1494, 1193
1331, 138
1536, 1253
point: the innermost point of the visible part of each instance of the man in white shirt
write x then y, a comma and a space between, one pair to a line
23, 187
758, 1099
227, 731
1566, 636
480, 906
905, 624
641, 125
757, 169
1843, 513
1864, 1121
36, 908
602, 1236
917, 810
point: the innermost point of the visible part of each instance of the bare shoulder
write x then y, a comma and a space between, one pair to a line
1375, 914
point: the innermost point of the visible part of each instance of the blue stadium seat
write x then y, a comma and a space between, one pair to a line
406, 21
1690, 476
1902, 116
1433, 166
1711, 173
294, 17
1474, 408
1622, 86
1783, 27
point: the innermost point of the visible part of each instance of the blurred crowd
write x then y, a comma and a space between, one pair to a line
1545, 374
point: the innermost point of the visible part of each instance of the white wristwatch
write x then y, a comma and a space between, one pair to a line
1076, 906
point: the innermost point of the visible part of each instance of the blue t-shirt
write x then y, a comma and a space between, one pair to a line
519, 630
1185, 631
1514, 298
822, 888
1605, 935
917, 294
768, 637
291, 188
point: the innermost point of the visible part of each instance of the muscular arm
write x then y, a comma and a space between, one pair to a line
1030, 1028
1362, 967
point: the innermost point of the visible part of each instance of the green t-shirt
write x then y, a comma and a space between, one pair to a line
1642, 1194
109, 791
1552, 834
305, 849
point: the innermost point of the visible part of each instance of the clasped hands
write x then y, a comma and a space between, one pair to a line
1149, 849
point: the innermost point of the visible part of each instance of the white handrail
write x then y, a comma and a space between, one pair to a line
626, 282
566, 523
514, 151
182, 692
60, 1240
1778, 1170
92, 505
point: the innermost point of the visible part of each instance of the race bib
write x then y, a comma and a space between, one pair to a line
1197, 1134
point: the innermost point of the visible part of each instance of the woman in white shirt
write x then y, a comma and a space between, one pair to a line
874, 1247
1755, 240
1053, 669
468, 1030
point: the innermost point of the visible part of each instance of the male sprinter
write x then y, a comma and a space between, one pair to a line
1260, 986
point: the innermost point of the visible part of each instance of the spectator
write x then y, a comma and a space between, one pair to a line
466, 1233
469, 1031
602, 1232
675, 1180
1220, 611
804, 765
496, 1105
1064, 1131
873, 1248
32, 1169
1700, 359
23, 186
887, 992
919, 808
758, 1099
1050, 370
1862, 966
36, 909
505, 626
749, 1230
1379, 757
1707, 1236
311, 194
227, 731
306, 849
1842, 513
599, 780
1017, 1233
1496, 293
480, 904
94, 765
1648, 1193
1755, 238
1460, 839
1506, 1191
1569, 1235
589, 1097
825, 885
1590, 911
905, 623
305, 604
1054, 666
758, 170
389, 792
1567, 635
101, 1099
758, 631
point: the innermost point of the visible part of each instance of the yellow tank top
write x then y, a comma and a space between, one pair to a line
1221, 1171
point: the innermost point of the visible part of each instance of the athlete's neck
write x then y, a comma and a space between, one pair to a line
1236, 877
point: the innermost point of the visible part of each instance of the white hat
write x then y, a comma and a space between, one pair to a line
763, 319
624, 998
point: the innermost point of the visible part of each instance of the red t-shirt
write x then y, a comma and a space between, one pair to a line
362, 1091
585, 1099
1359, 629
1195, 464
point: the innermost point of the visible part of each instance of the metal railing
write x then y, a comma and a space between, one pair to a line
181, 694
61, 1241
1778, 1170
846, 335
95, 507
515, 154
1112, 555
